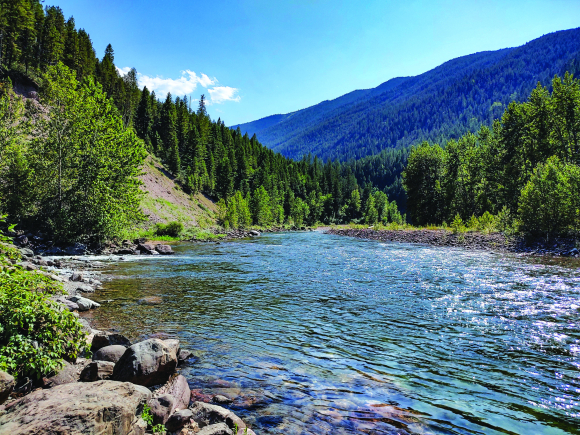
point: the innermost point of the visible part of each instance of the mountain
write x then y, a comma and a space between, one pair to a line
445, 102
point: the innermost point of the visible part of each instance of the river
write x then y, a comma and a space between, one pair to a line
322, 334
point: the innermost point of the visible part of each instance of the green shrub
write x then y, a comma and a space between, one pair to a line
35, 333
457, 225
550, 202
473, 222
487, 223
173, 229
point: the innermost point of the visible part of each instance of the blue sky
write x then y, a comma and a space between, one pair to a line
254, 58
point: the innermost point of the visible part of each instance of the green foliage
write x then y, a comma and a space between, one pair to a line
457, 225
148, 418
74, 174
172, 229
523, 170
550, 202
36, 334
422, 181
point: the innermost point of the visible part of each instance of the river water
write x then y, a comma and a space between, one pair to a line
322, 334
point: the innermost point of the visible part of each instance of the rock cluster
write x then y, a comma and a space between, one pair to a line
106, 396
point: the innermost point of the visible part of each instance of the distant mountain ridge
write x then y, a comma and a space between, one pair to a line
442, 103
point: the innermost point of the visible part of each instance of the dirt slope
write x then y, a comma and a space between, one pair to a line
165, 201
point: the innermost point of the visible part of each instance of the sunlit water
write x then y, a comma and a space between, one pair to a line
320, 334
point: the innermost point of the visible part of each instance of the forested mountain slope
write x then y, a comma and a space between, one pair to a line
443, 103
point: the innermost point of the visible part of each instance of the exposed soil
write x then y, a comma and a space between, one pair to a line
165, 201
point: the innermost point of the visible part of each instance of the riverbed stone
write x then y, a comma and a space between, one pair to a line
147, 363
111, 353
69, 373
103, 339
220, 399
97, 371
7, 383
205, 414
216, 429
103, 407
150, 300
184, 355
26, 252
178, 419
146, 248
68, 304
84, 303
162, 406
164, 249
254, 233
177, 387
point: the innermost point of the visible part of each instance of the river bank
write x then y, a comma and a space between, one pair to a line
137, 384
495, 242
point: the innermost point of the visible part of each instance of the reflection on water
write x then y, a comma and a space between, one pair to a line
320, 334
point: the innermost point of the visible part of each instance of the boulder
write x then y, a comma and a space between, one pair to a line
162, 407
147, 363
76, 277
111, 353
70, 373
84, 304
6, 386
205, 414
177, 387
26, 252
97, 371
216, 429
103, 407
172, 344
179, 419
164, 249
76, 249
146, 248
85, 288
254, 233
103, 339
184, 355
69, 305
221, 399
21, 240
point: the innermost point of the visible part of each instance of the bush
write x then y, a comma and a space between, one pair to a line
173, 229
35, 333
457, 225
486, 223
549, 204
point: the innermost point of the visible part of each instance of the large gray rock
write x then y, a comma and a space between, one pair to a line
26, 252
172, 344
103, 408
109, 353
146, 248
178, 419
161, 408
147, 363
178, 387
205, 414
103, 339
216, 429
97, 371
84, 304
6, 386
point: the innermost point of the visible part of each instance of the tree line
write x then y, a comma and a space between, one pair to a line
252, 184
525, 167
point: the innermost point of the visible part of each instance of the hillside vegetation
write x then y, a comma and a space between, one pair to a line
441, 104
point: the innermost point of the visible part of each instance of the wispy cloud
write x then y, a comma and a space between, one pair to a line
220, 94
185, 85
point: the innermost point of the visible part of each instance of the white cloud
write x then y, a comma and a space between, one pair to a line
123, 71
220, 94
184, 85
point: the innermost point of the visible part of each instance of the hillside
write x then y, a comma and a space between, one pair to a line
443, 103
164, 200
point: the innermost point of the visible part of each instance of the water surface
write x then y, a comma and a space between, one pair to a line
321, 334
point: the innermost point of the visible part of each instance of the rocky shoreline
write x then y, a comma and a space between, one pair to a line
496, 242
124, 388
